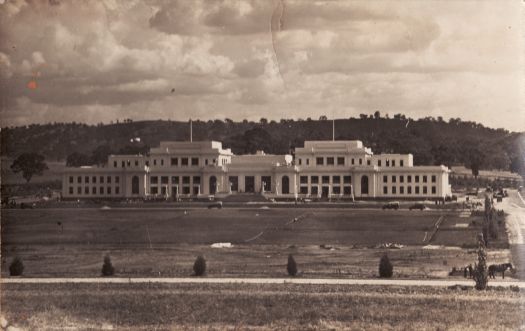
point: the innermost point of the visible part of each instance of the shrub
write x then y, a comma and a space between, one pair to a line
107, 267
291, 267
386, 269
16, 268
199, 267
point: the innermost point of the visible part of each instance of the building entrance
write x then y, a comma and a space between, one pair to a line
325, 191
249, 184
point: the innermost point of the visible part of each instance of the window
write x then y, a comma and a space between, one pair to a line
94, 179
433, 190
347, 179
325, 179
394, 190
319, 161
336, 190
424, 179
340, 161
79, 190
300, 161
336, 179
425, 190
266, 181
329, 161
154, 180
123, 164
86, 190
401, 163
117, 179
196, 180
196, 190
385, 190
401, 190
128, 163
206, 162
314, 179
194, 161
184, 161
114, 164
186, 190
109, 180
385, 179
185, 179
314, 190
388, 163
378, 163
368, 162
353, 161
347, 190
117, 190
409, 189
394, 179
109, 189
101, 179
303, 190
409, 179
360, 161
417, 179
175, 180
155, 190
147, 163
307, 161
161, 162
234, 183
101, 190
401, 179
417, 189
86, 179
393, 163
94, 190
433, 178
136, 163
71, 179
79, 179
164, 180
71, 190
303, 179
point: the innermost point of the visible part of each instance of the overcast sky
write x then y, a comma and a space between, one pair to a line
98, 61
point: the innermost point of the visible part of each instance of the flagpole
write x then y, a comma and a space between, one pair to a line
191, 131
333, 129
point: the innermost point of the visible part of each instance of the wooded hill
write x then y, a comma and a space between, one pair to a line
430, 140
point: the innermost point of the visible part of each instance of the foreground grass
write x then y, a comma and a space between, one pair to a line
223, 306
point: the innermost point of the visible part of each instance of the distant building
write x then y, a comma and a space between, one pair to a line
321, 169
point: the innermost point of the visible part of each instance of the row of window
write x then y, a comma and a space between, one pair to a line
325, 179
94, 191
101, 179
417, 190
165, 180
174, 190
409, 178
391, 163
332, 161
174, 162
314, 190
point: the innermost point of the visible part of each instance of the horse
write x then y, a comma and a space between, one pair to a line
494, 268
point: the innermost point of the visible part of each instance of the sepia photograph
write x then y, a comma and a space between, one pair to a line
262, 165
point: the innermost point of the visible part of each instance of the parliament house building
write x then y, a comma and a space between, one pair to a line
319, 170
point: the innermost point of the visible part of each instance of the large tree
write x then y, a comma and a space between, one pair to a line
76, 159
29, 164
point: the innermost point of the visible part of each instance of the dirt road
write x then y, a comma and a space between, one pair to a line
514, 205
310, 281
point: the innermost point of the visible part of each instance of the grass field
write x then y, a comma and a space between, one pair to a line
145, 242
259, 307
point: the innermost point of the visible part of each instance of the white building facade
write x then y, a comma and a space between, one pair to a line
320, 169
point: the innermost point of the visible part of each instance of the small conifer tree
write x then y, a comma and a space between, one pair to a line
386, 269
199, 267
17, 267
481, 272
107, 267
291, 267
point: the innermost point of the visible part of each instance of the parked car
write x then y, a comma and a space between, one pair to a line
391, 205
419, 206
217, 205
450, 198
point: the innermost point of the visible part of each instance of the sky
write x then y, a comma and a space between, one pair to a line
99, 61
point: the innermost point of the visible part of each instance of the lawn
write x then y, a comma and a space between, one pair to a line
259, 307
141, 242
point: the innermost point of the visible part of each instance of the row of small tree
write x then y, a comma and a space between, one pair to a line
199, 267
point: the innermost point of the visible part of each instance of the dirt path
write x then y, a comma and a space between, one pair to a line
308, 281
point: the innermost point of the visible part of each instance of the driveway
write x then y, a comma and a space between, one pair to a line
514, 205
